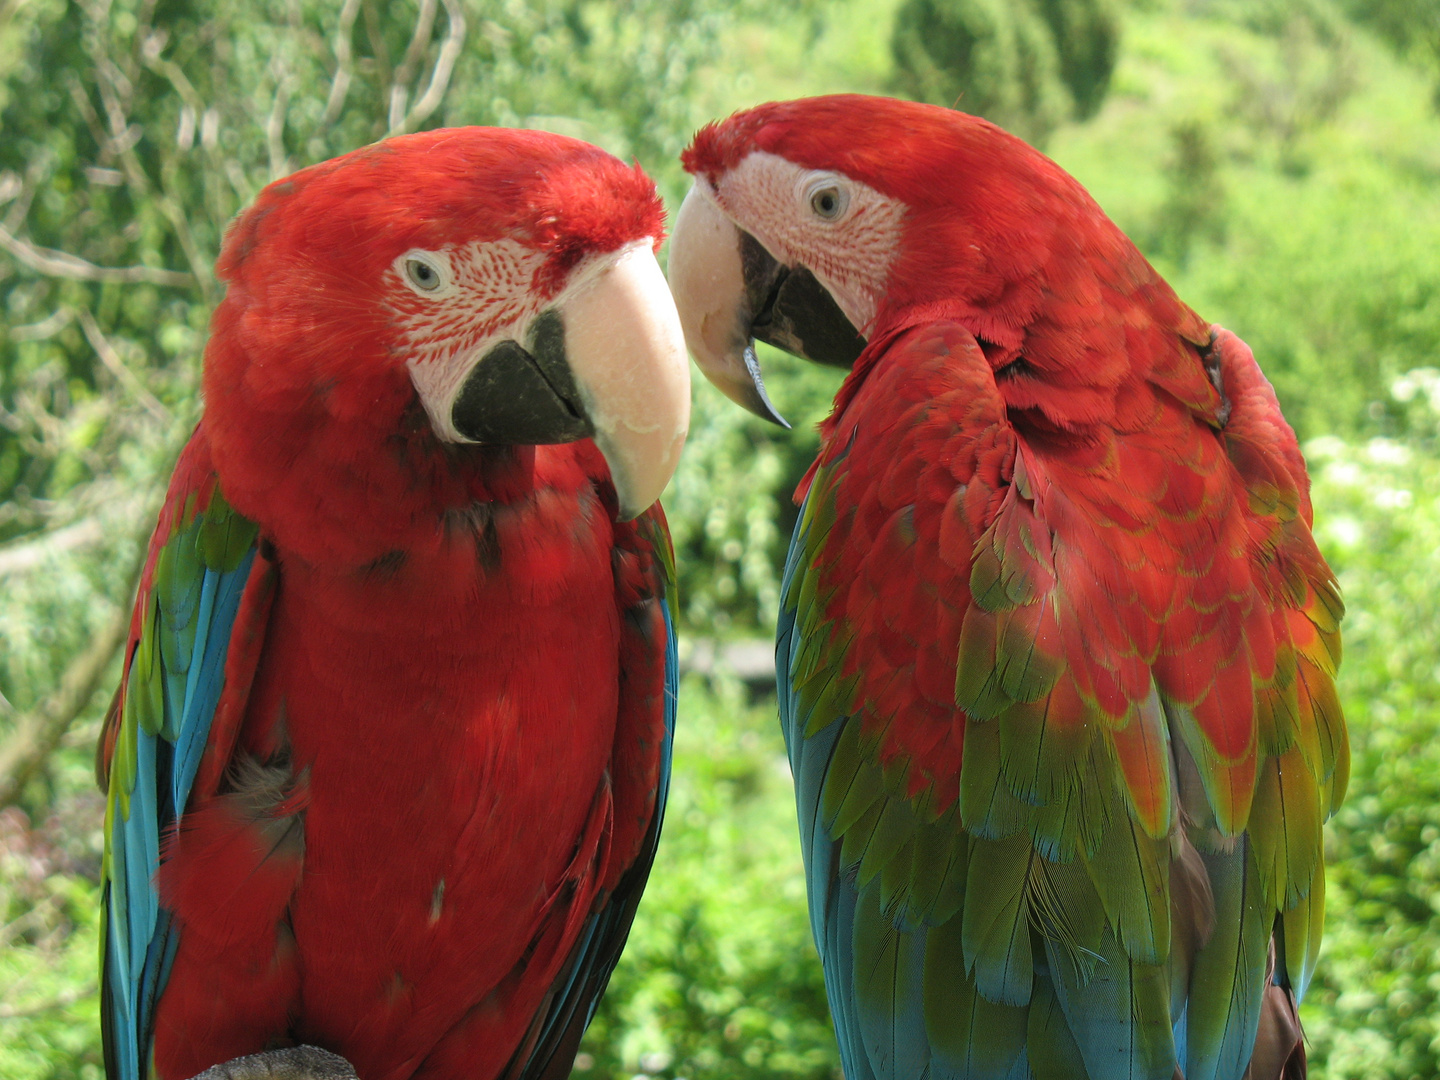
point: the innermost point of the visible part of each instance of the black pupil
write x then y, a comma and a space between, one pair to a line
825, 202
424, 275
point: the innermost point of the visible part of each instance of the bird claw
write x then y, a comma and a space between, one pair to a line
291, 1063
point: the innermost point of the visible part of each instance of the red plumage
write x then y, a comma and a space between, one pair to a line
1057, 644
439, 744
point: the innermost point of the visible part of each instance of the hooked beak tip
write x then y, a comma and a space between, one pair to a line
707, 278
760, 402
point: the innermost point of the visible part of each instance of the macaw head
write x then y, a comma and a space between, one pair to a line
818, 224
486, 286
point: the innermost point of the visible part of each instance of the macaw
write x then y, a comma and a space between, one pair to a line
1056, 653
387, 765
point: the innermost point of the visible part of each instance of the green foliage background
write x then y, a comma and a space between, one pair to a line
1279, 160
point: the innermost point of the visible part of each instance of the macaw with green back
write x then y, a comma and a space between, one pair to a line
387, 766
1057, 649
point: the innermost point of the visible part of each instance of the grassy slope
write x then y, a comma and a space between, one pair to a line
1327, 260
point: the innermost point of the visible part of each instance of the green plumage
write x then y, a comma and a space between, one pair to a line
968, 1033
1092, 837
155, 738
995, 925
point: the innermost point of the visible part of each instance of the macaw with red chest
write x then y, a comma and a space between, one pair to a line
387, 766
1056, 653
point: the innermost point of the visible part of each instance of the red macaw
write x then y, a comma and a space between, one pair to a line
387, 765
1057, 648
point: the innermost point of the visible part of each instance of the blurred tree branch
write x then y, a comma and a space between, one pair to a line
400, 120
64, 265
19, 557
36, 733
61, 1001
344, 63
399, 86
117, 367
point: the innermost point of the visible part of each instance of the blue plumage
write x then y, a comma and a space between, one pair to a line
833, 896
191, 618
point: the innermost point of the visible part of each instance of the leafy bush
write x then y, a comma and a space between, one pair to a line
49, 938
1412, 26
1028, 66
720, 979
1374, 1010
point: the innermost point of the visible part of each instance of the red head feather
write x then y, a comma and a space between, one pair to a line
306, 366
996, 236
451, 186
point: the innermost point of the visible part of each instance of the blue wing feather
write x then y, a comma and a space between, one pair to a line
833, 897
139, 940
865, 948
220, 601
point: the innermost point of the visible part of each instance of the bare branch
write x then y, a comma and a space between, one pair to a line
46, 328
111, 359
170, 205
81, 97
111, 83
185, 129
444, 66
31, 553
113, 86
37, 732
62, 264
400, 84
244, 190
275, 129
60, 1001
173, 73
20, 205
210, 129
344, 64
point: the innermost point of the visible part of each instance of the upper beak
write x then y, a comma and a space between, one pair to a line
607, 361
730, 290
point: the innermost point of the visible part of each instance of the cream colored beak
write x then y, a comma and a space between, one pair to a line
707, 276
626, 350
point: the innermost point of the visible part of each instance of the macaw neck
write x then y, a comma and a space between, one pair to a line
893, 319
1083, 356
345, 493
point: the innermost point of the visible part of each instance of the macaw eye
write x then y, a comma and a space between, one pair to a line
427, 273
828, 202
422, 275
828, 195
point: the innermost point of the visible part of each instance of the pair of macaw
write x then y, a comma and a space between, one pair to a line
387, 767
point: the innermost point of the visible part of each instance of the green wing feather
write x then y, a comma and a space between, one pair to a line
157, 736
1063, 725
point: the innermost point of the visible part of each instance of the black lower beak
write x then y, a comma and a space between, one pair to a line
794, 312
523, 395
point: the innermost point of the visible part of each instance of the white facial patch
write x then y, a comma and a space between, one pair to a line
486, 293
845, 232
480, 295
